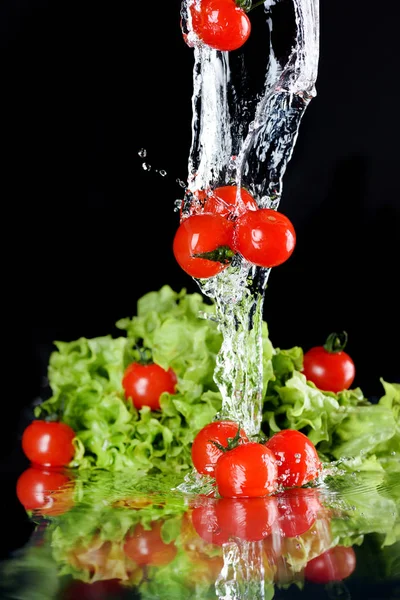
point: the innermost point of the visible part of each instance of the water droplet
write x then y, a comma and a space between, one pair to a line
146, 166
142, 152
181, 183
162, 172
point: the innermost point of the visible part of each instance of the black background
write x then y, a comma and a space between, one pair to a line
87, 230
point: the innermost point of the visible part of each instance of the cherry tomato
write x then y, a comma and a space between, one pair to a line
264, 237
146, 546
298, 510
249, 519
205, 453
144, 384
297, 458
329, 367
199, 235
224, 201
48, 443
45, 491
220, 24
247, 471
335, 564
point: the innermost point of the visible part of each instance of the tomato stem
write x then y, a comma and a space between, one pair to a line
248, 5
336, 342
233, 442
222, 254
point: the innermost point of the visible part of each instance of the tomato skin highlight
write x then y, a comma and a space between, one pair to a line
335, 564
297, 459
220, 24
48, 443
247, 471
35, 490
204, 453
264, 237
144, 384
146, 546
329, 371
199, 234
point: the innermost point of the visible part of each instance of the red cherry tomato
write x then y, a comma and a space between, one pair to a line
224, 201
264, 237
203, 234
48, 443
146, 546
45, 491
298, 510
328, 366
220, 24
249, 519
297, 458
205, 453
335, 564
144, 384
247, 471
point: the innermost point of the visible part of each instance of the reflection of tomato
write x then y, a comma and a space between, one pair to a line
98, 590
204, 452
146, 546
144, 384
296, 456
298, 510
335, 564
42, 489
247, 471
250, 519
48, 443
205, 519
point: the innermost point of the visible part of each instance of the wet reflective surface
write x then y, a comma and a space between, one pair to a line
125, 535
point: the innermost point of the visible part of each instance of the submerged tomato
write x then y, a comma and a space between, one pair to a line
297, 459
264, 237
48, 443
335, 564
45, 491
227, 201
204, 234
144, 384
204, 451
146, 546
329, 367
220, 24
247, 471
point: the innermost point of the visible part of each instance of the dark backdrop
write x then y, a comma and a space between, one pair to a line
87, 230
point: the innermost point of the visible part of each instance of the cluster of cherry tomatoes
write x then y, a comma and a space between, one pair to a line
227, 221
219, 24
248, 469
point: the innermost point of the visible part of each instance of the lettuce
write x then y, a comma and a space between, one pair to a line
179, 330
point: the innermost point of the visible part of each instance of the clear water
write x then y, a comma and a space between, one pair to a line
244, 128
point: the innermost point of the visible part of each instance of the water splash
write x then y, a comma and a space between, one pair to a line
246, 137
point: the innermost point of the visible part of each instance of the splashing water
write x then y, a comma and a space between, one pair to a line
246, 138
